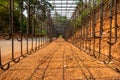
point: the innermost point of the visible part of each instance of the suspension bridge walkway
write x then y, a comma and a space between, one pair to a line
60, 60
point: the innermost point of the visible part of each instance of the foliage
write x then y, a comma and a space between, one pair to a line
4, 17
59, 20
37, 8
85, 8
43, 32
79, 20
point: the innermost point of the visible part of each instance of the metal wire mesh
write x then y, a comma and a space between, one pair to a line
97, 29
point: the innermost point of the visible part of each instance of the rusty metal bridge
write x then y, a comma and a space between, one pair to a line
59, 40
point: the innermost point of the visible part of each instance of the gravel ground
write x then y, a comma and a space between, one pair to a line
60, 60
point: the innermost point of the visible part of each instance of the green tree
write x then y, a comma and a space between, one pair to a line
4, 17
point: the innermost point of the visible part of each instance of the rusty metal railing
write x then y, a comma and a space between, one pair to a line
31, 32
98, 30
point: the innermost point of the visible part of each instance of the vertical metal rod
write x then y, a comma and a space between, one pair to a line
46, 32
11, 24
80, 30
86, 32
115, 24
10, 13
101, 27
81, 44
81, 34
28, 25
32, 34
80, 38
35, 39
75, 29
89, 30
21, 25
47, 24
38, 36
90, 34
41, 33
93, 27
110, 35
12, 32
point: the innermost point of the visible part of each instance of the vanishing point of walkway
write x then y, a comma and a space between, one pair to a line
60, 60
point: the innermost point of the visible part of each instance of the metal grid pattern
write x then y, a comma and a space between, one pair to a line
84, 26
23, 32
62, 8
97, 30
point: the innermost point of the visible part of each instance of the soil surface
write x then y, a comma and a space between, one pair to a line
60, 60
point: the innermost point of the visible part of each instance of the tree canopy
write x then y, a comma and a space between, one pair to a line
38, 8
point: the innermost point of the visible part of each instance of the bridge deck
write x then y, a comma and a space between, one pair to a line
60, 60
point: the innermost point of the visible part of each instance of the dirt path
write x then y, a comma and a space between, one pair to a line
59, 61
